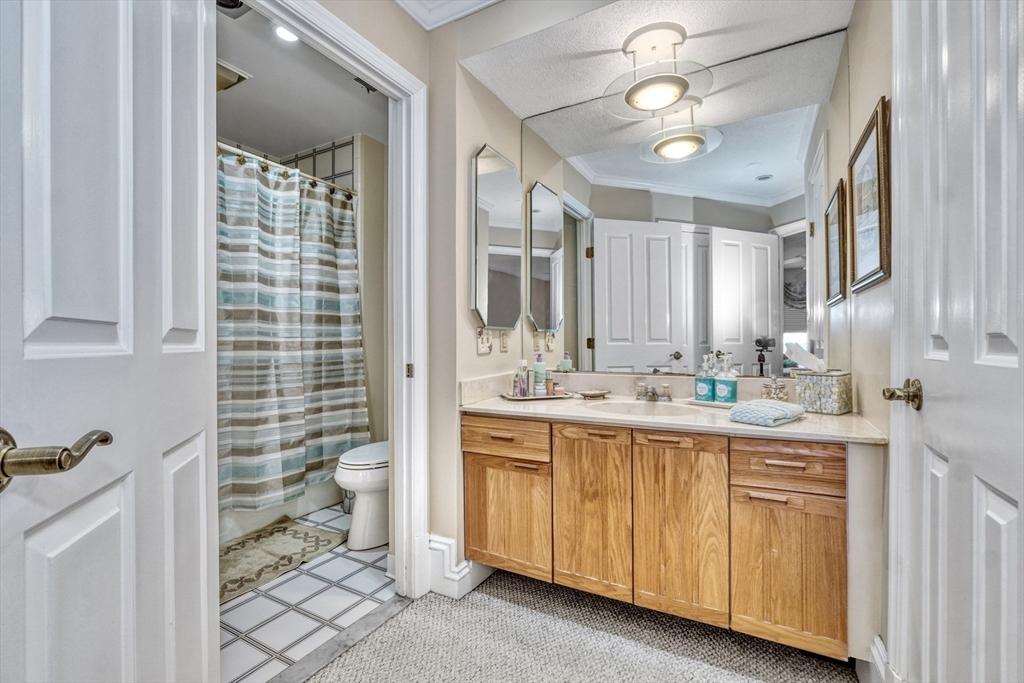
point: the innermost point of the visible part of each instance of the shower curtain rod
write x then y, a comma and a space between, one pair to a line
352, 194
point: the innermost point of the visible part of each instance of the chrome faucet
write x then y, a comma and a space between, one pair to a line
647, 392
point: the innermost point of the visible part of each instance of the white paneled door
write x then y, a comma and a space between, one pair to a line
108, 313
746, 285
957, 465
638, 296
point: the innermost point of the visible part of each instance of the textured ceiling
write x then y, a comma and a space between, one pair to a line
296, 97
780, 80
575, 60
768, 144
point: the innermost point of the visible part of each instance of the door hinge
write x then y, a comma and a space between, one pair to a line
810, 229
409, 370
590, 342
589, 253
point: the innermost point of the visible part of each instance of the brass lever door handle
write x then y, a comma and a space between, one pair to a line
19, 462
911, 392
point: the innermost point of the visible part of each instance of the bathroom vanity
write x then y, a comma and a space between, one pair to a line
774, 532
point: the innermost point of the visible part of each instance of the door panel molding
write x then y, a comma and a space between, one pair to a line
77, 278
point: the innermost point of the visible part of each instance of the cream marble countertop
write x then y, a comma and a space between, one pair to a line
849, 428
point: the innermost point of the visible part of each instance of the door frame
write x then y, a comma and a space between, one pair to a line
317, 27
584, 218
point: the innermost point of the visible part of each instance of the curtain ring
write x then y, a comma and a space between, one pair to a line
265, 167
312, 184
285, 174
241, 160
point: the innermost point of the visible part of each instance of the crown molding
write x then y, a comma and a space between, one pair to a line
433, 13
627, 183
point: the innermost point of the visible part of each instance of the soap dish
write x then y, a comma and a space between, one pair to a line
594, 394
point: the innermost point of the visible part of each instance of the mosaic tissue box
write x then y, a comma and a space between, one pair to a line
829, 392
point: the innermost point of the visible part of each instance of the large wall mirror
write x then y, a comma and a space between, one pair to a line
497, 240
692, 187
547, 258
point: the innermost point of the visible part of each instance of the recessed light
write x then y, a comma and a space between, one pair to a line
656, 92
764, 176
285, 35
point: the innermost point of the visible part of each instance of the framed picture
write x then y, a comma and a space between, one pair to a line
835, 246
869, 202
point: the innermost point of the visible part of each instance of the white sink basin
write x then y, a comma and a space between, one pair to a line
643, 408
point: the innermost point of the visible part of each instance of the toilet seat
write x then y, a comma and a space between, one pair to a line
370, 456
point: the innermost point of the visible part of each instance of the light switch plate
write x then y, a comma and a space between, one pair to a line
549, 341
484, 343
503, 341
537, 341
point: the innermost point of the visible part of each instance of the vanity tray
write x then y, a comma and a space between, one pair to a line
709, 404
510, 397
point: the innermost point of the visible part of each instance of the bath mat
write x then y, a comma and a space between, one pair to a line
263, 555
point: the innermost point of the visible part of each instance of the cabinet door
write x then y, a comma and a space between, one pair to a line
681, 524
508, 514
789, 569
593, 509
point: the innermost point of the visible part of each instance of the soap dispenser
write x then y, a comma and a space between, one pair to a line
726, 382
704, 382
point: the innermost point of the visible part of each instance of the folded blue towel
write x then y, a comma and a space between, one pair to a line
765, 413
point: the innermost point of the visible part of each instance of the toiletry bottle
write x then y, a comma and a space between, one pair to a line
549, 383
726, 382
704, 382
522, 388
566, 364
539, 372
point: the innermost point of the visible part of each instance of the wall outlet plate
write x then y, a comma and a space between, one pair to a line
484, 343
536, 341
503, 341
549, 342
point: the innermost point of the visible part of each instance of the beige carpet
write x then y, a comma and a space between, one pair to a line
516, 629
263, 555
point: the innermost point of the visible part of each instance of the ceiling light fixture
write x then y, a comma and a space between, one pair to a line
657, 92
285, 35
658, 84
680, 143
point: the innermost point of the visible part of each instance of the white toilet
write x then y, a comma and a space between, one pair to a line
364, 472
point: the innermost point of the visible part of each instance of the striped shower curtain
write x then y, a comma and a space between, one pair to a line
290, 370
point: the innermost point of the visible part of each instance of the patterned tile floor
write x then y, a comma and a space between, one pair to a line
275, 625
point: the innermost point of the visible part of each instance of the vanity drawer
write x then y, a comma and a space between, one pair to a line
788, 465
521, 439
619, 435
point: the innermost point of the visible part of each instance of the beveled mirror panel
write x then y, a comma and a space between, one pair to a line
547, 259
497, 240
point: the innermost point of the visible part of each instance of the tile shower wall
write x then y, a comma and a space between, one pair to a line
332, 161
268, 629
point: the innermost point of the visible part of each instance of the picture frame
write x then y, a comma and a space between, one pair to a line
835, 246
869, 203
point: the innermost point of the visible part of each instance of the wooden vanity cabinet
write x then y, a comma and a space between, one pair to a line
681, 524
508, 494
789, 543
593, 513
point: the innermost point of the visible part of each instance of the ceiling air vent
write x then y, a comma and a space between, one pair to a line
229, 76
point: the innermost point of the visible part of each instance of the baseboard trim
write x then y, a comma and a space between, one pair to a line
447, 575
880, 670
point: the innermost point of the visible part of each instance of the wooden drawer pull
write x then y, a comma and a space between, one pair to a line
786, 463
500, 436
776, 498
663, 439
602, 433
524, 466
